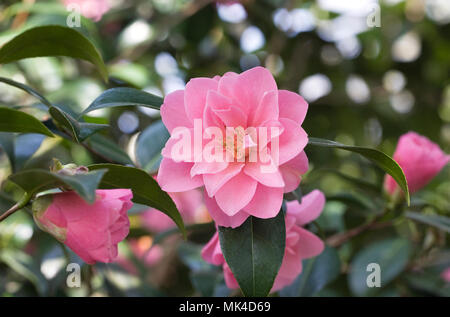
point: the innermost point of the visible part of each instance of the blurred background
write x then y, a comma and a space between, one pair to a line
370, 70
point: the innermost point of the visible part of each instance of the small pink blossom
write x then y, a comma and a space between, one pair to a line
236, 189
143, 250
300, 243
420, 159
92, 9
446, 275
91, 230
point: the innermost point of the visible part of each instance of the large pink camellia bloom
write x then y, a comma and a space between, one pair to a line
420, 159
244, 185
190, 205
91, 230
92, 9
300, 243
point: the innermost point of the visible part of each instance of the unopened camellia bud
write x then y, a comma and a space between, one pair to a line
90, 230
39, 207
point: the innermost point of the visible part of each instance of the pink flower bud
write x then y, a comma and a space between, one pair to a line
91, 230
420, 159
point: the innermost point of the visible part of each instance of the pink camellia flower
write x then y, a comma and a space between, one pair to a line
92, 9
143, 250
243, 173
189, 204
91, 230
420, 159
300, 243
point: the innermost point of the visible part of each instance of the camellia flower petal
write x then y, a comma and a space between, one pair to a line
91, 230
300, 243
239, 138
420, 159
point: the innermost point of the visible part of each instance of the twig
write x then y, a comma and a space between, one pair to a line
19, 205
340, 238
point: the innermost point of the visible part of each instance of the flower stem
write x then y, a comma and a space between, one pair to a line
19, 205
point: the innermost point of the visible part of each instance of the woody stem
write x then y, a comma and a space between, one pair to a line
19, 205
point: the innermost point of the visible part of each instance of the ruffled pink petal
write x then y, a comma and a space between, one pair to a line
293, 170
292, 106
195, 96
247, 89
223, 108
310, 244
230, 280
173, 113
266, 202
212, 253
236, 193
221, 218
310, 208
175, 177
268, 175
267, 109
208, 168
213, 182
292, 141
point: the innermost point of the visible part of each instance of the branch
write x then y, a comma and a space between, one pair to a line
340, 238
19, 205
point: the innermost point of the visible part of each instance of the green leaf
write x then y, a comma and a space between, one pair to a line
7, 144
109, 149
440, 222
34, 181
384, 161
149, 145
254, 251
145, 189
124, 96
27, 89
24, 265
17, 121
358, 182
391, 254
79, 130
317, 273
52, 40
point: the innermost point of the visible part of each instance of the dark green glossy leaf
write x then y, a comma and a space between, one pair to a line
440, 222
34, 181
109, 149
384, 161
27, 89
391, 255
254, 251
52, 40
7, 144
145, 189
79, 130
124, 96
149, 145
17, 121
317, 273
